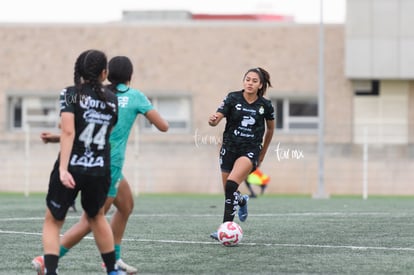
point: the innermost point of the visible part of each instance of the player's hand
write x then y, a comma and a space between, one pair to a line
45, 137
67, 179
212, 120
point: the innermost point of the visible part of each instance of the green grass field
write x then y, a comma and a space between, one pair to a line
169, 234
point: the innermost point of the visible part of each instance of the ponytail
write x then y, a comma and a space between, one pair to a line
88, 68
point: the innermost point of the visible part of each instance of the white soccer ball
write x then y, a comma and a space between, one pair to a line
230, 233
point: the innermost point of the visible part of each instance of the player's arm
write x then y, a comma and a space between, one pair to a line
214, 119
270, 128
155, 118
66, 143
48, 137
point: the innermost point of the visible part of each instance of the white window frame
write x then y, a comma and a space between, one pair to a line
289, 120
182, 114
37, 112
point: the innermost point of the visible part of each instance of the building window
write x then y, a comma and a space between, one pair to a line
176, 110
40, 112
366, 87
296, 115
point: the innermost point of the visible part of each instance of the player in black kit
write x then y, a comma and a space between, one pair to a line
88, 113
246, 138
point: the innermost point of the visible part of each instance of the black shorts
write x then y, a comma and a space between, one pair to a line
228, 158
94, 190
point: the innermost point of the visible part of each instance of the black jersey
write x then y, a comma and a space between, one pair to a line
245, 124
94, 119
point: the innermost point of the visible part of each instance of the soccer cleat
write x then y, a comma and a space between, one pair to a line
122, 266
243, 209
214, 235
38, 264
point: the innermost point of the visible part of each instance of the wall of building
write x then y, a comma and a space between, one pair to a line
380, 39
204, 60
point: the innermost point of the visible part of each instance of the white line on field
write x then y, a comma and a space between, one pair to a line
166, 215
352, 247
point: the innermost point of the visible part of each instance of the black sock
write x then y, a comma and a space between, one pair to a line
230, 204
109, 260
51, 263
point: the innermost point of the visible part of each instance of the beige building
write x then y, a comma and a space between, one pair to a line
186, 67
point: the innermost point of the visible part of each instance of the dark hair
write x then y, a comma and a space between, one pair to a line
88, 67
120, 70
264, 79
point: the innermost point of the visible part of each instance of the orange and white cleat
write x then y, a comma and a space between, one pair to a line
38, 264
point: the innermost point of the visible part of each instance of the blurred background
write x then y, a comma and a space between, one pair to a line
342, 74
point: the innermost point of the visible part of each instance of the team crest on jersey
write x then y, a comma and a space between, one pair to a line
261, 110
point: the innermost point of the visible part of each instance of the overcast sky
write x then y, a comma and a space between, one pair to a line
96, 11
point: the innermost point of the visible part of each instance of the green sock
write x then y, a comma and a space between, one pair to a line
63, 251
117, 251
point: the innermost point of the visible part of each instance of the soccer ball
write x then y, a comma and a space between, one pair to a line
230, 233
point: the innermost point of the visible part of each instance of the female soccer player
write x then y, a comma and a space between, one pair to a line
131, 103
88, 113
246, 138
